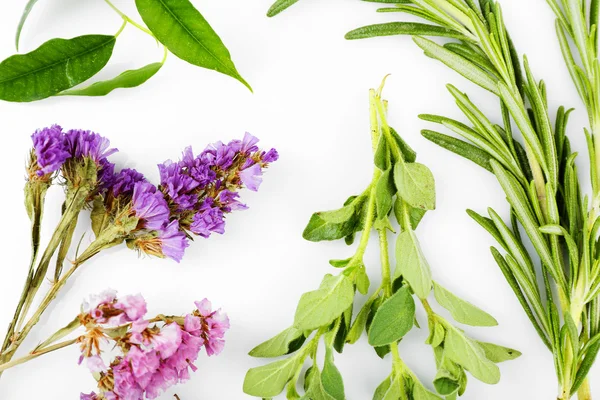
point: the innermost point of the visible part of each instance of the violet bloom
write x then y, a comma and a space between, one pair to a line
125, 180
173, 241
88, 144
178, 185
208, 219
252, 177
50, 149
150, 206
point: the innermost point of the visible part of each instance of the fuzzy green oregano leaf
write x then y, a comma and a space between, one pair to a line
56, 65
461, 310
331, 378
336, 224
393, 319
471, 356
183, 30
415, 184
285, 342
270, 380
412, 265
422, 393
498, 354
320, 307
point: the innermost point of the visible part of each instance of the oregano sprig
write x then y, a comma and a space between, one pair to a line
404, 190
59, 65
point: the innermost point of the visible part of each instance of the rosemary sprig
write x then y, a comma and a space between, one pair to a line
405, 189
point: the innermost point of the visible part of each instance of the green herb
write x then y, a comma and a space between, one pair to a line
401, 185
539, 176
59, 65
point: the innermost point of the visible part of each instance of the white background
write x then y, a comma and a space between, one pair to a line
310, 102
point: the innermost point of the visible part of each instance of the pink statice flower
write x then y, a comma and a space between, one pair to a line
154, 355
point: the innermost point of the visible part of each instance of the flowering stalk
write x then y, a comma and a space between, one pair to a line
406, 189
156, 353
194, 197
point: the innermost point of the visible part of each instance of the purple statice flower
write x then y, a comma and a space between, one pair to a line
270, 156
125, 180
150, 206
50, 149
208, 219
178, 185
201, 189
106, 175
173, 241
219, 155
229, 201
91, 396
196, 168
252, 177
88, 144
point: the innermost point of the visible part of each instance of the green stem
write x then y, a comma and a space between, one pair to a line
127, 19
38, 192
31, 356
10, 352
386, 281
76, 202
585, 391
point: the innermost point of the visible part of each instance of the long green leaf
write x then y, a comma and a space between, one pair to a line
520, 205
56, 65
457, 146
183, 30
127, 79
402, 28
26, 11
279, 6
517, 109
458, 63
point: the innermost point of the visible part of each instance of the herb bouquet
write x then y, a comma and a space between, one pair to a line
558, 283
193, 198
404, 190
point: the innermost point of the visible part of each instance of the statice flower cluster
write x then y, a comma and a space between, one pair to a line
201, 189
154, 354
194, 194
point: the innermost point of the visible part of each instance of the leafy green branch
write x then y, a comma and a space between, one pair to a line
402, 188
59, 65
